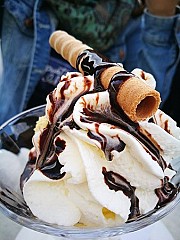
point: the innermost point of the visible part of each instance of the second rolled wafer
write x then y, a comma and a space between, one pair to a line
137, 99
141, 103
67, 46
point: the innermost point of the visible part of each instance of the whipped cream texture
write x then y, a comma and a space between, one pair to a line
92, 165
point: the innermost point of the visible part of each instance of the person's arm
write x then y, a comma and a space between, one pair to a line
162, 8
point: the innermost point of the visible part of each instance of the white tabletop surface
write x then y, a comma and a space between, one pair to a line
166, 229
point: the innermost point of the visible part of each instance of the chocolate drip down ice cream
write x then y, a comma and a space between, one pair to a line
92, 164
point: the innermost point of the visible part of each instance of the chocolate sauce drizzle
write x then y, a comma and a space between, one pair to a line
52, 168
166, 193
118, 120
50, 146
117, 80
103, 140
117, 182
52, 130
91, 63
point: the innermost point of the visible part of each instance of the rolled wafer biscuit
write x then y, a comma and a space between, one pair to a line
138, 100
141, 103
67, 46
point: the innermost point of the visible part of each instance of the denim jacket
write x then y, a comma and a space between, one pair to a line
26, 50
153, 44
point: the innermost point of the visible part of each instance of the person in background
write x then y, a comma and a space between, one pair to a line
31, 68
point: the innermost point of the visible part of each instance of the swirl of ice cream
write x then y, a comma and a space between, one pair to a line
93, 165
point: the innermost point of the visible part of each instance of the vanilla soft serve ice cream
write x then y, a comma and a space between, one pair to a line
92, 165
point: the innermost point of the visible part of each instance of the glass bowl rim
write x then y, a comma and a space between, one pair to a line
78, 232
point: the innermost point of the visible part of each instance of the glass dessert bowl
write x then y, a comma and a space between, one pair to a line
17, 134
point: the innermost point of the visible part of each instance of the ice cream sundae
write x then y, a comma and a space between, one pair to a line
103, 150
